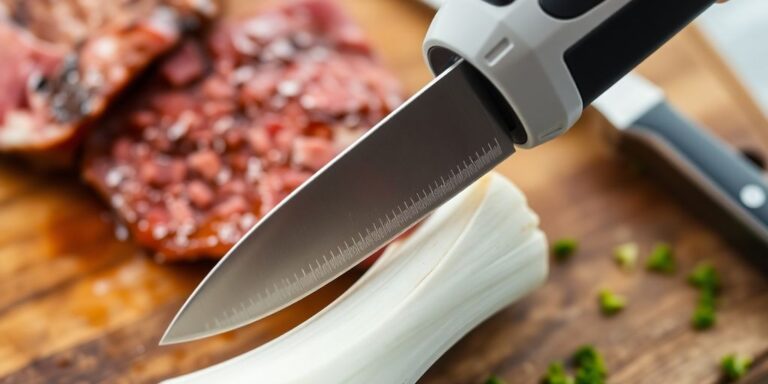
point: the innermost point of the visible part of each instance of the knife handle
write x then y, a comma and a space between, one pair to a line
730, 191
549, 59
624, 40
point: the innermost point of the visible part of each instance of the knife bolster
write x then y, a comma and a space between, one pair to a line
548, 69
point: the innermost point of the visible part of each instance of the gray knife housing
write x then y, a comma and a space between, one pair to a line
547, 62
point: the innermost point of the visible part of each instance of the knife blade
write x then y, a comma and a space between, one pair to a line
510, 73
711, 177
434, 146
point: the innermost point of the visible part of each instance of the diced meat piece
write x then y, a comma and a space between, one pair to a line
235, 205
206, 163
64, 61
280, 95
171, 103
313, 152
200, 194
218, 88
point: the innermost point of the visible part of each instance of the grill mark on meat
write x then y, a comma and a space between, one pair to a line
69, 100
205, 150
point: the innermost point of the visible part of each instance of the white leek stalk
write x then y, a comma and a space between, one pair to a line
474, 256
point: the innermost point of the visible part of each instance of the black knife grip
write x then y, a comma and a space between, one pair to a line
716, 180
624, 40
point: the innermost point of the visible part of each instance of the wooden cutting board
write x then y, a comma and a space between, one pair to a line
79, 306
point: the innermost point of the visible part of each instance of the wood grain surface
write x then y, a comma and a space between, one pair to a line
79, 306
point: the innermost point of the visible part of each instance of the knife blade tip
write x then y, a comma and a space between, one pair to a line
167, 340
182, 330
172, 336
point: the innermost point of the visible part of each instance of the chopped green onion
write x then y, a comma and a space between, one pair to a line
611, 303
626, 255
590, 369
556, 375
494, 380
563, 249
588, 357
704, 276
662, 259
735, 367
704, 316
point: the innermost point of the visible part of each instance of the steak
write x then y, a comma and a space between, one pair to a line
228, 126
64, 61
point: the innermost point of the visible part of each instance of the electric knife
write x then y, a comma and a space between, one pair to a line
509, 73
723, 186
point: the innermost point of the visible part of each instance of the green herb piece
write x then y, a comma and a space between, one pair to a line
556, 375
590, 366
735, 367
704, 316
611, 303
662, 259
704, 276
626, 255
707, 297
588, 357
494, 380
589, 376
590, 369
563, 249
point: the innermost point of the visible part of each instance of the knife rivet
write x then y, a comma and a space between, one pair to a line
752, 196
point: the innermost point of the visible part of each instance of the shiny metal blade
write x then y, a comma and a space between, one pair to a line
424, 153
628, 100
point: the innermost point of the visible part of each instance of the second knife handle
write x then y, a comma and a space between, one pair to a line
739, 179
726, 190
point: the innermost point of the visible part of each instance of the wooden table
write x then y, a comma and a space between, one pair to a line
77, 305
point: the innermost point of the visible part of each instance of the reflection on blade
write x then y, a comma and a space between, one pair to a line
431, 148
